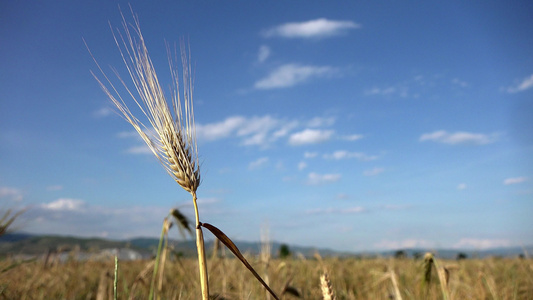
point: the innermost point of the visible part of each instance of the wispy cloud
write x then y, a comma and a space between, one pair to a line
461, 186
292, 74
302, 165
481, 243
373, 172
310, 136
253, 131
310, 154
514, 180
401, 91
458, 82
78, 217
321, 121
348, 210
64, 204
318, 28
219, 130
10, 193
352, 137
343, 154
103, 112
414, 87
258, 163
263, 54
317, 179
264, 130
458, 138
141, 149
525, 84
403, 244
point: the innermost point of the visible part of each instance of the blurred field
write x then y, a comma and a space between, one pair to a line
351, 278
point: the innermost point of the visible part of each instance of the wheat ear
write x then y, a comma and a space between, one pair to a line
174, 141
327, 289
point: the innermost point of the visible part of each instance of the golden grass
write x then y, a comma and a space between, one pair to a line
351, 278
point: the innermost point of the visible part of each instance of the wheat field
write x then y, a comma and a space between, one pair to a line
350, 278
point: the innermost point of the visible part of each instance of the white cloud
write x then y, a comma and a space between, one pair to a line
414, 87
219, 130
142, 149
461, 186
103, 112
74, 217
310, 136
403, 244
316, 179
460, 83
458, 138
352, 137
343, 154
259, 131
64, 204
285, 129
525, 84
348, 210
320, 122
481, 243
310, 154
257, 125
318, 28
11, 193
253, 131
373, 172
257, 163
302, 165
291, 74
381, 91
264, 53
514, 180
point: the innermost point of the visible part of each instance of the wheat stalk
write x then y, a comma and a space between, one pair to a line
174, 141
326, 287
427, 266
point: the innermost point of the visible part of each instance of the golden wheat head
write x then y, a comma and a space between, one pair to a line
174, 139
326, 287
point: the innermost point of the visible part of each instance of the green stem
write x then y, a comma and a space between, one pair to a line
156, 265
202, 262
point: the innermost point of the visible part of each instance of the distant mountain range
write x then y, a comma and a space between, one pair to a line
27, 244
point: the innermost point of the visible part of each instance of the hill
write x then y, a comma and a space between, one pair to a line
27, 244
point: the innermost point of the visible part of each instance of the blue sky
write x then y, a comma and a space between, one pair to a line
356, 126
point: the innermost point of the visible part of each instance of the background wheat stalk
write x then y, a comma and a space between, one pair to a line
174, 139
326, 287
